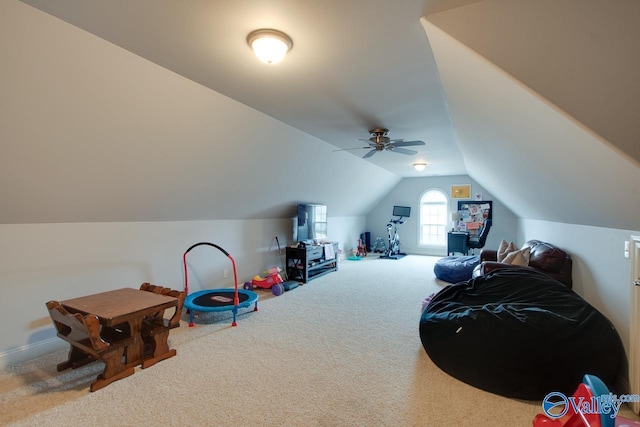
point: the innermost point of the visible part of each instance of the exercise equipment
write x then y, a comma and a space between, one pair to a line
222, 299
393, 251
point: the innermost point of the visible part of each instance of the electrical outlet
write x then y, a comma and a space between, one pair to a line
225, 273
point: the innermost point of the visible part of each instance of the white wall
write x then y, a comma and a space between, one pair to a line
90, 132
408, 193
42, 262
540, 161
585, 60
601, 273
346, 231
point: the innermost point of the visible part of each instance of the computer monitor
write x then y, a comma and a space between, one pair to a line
404, 211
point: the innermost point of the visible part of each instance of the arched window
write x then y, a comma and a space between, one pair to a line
434, 206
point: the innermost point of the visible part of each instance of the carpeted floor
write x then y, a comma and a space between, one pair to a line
342, 350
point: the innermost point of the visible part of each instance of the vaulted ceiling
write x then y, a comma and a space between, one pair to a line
354, 65
158, 110
544, 101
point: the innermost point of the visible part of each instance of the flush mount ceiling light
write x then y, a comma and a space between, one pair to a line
419, 166
270, 46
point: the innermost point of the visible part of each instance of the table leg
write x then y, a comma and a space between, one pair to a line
135, 350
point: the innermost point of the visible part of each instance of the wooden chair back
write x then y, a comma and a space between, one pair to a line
155, 328
83, 335
80, 331
174, 321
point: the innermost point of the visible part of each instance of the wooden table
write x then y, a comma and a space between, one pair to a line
120, 306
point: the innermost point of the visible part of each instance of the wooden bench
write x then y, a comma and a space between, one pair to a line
155, 329
87, 345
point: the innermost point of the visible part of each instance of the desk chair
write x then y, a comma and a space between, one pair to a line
478, 242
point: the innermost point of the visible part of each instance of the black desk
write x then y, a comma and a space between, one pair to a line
457, 242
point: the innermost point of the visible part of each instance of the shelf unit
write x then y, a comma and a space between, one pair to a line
309, 262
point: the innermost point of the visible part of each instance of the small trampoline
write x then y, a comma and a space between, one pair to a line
212, 300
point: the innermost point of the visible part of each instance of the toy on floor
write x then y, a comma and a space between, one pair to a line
217, 299
280, 288
379, 246
362, 249
272, 281
272, 277
592, 405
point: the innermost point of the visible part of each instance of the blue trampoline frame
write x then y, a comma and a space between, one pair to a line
189, 300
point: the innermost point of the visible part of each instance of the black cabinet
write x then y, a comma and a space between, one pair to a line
312, 261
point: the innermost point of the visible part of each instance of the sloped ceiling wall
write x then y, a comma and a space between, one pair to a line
537, 158
582, 55
91, 132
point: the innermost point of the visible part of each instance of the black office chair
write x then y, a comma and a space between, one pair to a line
477, 242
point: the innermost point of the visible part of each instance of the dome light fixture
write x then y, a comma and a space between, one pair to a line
419, 166
269, 45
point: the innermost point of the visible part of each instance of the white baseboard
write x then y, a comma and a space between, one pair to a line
30, 351
425, 252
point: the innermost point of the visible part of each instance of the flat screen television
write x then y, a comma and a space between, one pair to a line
311, 222
404, 211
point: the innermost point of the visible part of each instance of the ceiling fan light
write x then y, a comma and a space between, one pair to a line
270, 46
419, 166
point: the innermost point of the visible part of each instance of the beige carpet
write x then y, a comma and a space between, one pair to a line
343, 350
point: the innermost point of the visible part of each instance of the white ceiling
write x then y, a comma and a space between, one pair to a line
354, 66
581, 55
152, 110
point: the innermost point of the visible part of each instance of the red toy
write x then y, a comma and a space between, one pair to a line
273, 277
362, 250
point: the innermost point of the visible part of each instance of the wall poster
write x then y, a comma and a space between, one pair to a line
461, 191
473, 215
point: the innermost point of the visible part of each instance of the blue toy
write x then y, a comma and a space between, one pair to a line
217, 299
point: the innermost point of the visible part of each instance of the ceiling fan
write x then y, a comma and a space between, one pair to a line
379, 141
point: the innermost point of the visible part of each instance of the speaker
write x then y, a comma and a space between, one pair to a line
366, 240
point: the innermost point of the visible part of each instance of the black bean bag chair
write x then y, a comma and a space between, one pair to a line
521, 334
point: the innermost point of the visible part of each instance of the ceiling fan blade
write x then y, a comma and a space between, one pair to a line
402, 143
347, 149
369, 154
402, 151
